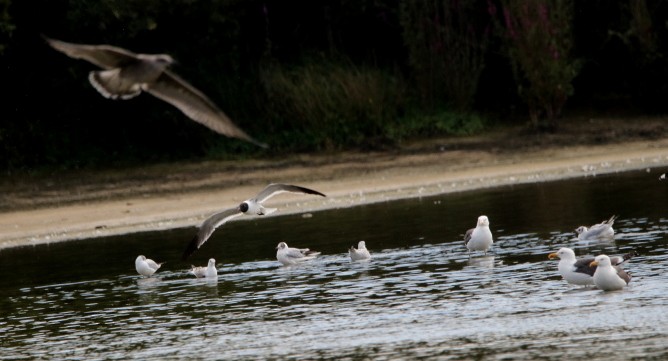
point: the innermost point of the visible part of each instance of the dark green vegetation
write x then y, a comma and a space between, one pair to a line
313, 75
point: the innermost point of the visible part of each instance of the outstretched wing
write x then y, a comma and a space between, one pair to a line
276, 188
104, 56
207, 228
197, 106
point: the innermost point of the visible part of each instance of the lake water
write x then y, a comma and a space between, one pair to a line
420, 297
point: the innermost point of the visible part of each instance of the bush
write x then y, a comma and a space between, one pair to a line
539, 40
328, 105
446, 44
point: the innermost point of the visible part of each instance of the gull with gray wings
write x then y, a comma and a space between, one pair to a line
126, 74
251, 206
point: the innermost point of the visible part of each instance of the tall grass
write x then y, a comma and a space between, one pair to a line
327, 105
446, 42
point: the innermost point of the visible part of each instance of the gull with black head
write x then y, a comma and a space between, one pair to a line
250, 207
126, 74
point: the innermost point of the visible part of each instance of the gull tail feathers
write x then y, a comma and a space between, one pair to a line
628, 256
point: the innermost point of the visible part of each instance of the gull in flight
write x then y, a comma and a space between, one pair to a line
209, 271
126, 74
608, 277
291, 256
480, 237
361, 253
579, 271
602, 230
145, 266
252, 206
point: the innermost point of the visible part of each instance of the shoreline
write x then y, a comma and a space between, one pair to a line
348, 181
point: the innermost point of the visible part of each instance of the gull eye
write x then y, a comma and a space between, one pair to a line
243, 207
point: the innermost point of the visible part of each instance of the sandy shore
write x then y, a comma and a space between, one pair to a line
183, 195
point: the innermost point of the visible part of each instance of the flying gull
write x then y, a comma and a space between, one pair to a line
579, 271
291, 256
127, 74
608, 277
361, 253
146, 267
599, 231
252, 206
209, 271
480, 237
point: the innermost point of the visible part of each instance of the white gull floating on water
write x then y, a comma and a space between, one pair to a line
580, 271
209, 271
145, 266
608, 277
291, 256
361, 253
480, 237
600, 231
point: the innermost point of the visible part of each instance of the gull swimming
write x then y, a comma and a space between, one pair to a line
209, 271
608, 277
145, 266
579, 271
361, 253
291, 256
601, 230
127, 74
480, 237
251, 206
662, 177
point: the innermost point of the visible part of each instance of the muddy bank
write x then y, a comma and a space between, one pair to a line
182, 195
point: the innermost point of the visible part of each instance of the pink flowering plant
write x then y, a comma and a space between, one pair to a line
539, 39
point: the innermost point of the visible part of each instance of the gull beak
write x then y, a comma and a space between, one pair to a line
552, 256
593, 264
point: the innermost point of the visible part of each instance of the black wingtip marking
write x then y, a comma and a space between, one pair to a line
192, 247
311, 191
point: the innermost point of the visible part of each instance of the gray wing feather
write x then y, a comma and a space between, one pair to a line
197, 106
104, 56
582, 266
207, 228
276, 188
623, 275
295, 253
152, 265
213, 222
467, 236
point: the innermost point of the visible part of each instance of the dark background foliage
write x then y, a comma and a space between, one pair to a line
301, 75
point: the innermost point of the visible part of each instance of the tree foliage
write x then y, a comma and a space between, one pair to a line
312, 75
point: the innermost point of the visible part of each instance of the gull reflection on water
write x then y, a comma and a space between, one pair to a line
482, 262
